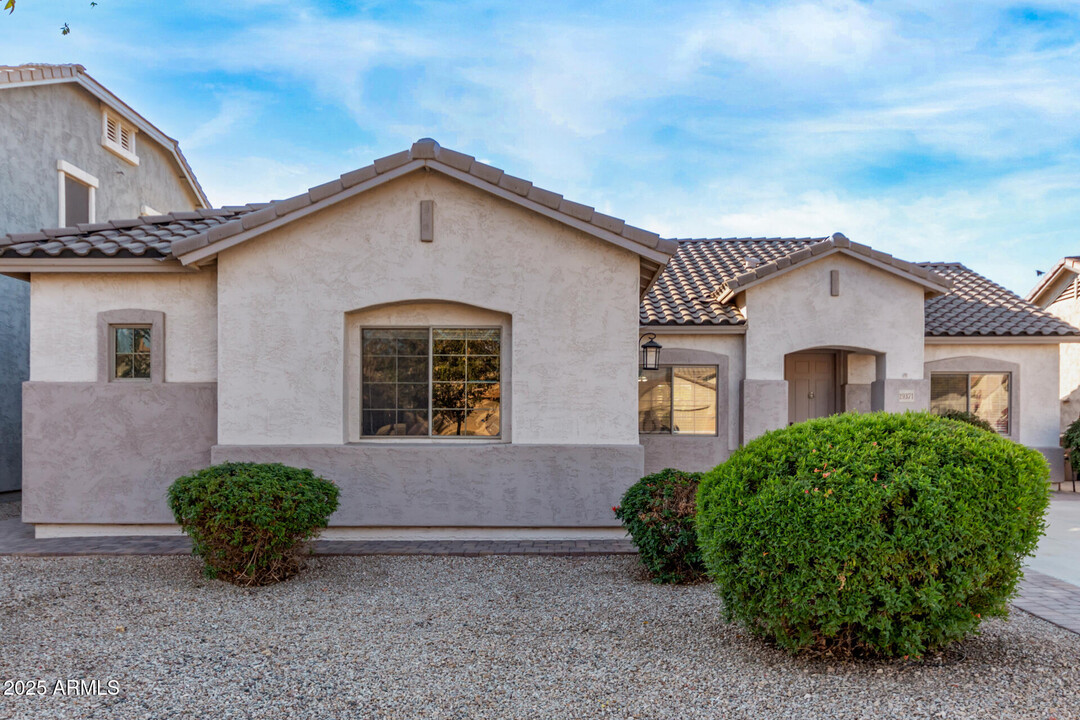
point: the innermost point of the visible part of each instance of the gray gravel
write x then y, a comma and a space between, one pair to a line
10, 509
490, 637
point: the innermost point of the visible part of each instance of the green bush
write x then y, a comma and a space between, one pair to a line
1071, 442
871, 534
250, 523
966, 417
658, 512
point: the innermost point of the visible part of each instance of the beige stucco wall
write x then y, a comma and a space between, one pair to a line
1038, 384
283, 299
729, 345
1069, 387
63, 321
875, 310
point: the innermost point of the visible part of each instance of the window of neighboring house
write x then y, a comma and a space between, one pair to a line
436, 382
985, 395
131, 348
679, 400
78, 195
118, 137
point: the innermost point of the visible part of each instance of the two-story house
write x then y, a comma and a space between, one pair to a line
72, 154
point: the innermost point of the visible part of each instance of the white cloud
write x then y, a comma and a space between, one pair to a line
236, 109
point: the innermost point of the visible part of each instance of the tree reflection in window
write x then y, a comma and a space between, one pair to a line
461, 396
131, 358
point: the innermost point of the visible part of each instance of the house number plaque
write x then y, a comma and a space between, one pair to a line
906, 396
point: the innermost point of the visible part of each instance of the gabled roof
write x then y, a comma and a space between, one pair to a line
44, 74
836, 243
1047, 290
692, 289
979, 307
191, 241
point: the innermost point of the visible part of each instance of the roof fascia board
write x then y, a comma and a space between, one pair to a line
588, 228
693, 329
104, 95
933, 288
1000, 339
206, 251
12, 266
1046, 292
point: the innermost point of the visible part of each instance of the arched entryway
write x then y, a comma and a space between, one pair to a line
828, 380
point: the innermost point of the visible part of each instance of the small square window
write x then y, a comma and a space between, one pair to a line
131, 353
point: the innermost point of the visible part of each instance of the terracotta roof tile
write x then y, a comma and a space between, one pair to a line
182, 232
978, 306
688, 291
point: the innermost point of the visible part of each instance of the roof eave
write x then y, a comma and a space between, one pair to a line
1001, 339
200, 248
1050, 286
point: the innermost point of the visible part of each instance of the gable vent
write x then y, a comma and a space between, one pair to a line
118, 137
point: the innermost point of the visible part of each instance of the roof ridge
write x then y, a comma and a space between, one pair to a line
427, 152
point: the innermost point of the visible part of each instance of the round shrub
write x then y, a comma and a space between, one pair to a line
966, 417
1071, 442
658, 511
872, 534
250, 523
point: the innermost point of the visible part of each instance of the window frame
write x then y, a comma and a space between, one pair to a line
108, 322
65, 170
356, 399
116, 147
671, 402
1010, 431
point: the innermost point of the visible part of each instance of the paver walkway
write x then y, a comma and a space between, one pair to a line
1051, 599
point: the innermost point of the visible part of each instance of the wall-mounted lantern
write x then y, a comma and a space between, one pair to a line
650, 352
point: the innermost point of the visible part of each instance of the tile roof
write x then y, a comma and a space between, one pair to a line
979, 307
44, 73
175, 235
690, 290
150, 236
687, 292
428, 153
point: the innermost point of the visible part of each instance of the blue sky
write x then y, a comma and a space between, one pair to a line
932, 130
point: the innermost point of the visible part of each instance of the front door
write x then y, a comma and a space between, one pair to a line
811, 381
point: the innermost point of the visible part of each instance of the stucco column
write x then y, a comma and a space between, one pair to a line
764, 407
900, 395
896, 395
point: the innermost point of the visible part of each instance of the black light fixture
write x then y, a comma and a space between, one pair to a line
650, 352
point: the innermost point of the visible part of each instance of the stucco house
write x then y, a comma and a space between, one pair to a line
459, 350
1058, 292
72, 152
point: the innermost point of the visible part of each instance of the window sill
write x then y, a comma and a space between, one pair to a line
121, 153
421, 440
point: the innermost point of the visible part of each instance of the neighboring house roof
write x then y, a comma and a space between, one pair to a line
191, 242
1053, 283
698, 286
44, 74
979, 307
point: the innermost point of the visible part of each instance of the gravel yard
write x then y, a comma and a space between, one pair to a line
487, 637
10, 510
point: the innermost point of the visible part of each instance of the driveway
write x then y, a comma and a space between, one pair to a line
1059, 551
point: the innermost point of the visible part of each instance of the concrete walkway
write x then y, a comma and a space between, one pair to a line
17, 538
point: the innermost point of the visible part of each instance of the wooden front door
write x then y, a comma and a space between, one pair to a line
811, 381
